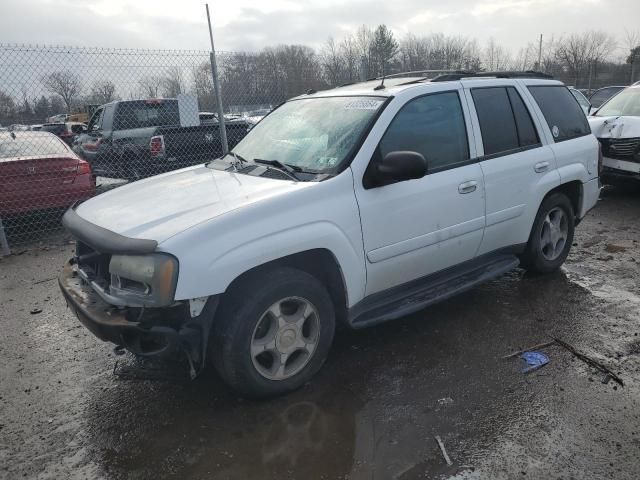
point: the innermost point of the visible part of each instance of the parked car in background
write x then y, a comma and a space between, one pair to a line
67, 131
582, 100
255, 116
137, 138
59, 118
39, 171
356, 205
35, 128
616, 124
601, 95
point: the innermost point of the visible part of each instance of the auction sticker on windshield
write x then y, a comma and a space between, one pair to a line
363, 104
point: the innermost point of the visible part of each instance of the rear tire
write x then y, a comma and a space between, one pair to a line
551, 236
273, 332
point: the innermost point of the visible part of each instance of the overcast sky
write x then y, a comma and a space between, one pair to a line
252, 24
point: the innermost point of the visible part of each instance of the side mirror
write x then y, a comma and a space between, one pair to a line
401, 165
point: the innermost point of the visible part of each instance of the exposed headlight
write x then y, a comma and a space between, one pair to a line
149, 279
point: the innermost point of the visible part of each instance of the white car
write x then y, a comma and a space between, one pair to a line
617, 126
356, 205
582, 100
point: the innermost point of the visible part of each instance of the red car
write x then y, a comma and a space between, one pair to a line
39, 171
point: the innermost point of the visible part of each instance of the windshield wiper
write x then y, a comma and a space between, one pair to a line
284, 167
239, 159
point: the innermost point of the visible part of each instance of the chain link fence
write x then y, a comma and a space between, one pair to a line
75, 122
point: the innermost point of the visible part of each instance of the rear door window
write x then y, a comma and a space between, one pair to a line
527, 134
497, 123
562, 113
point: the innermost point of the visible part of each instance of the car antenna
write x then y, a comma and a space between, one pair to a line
381, 86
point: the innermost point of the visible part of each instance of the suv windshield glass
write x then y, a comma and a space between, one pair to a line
315, 134
625, 103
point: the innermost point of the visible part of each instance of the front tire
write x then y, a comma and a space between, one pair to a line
273, 332
551, 236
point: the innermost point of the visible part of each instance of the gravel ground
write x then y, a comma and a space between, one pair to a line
374, 409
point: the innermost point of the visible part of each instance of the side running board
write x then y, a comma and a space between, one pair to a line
421, 293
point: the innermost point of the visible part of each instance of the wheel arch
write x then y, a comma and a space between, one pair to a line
573, 190
319, 262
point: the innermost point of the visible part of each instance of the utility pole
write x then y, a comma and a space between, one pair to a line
216, 87
540, 54
363, 68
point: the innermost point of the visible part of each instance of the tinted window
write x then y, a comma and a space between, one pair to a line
28, 144
498, 127
527, 134
564, 116
432, 125
149, 113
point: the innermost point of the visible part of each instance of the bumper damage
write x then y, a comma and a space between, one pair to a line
145, 332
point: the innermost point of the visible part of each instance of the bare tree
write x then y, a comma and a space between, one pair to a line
103, 91
66, 84
173, 82
364, 40
633, 49
349, 52
332, 62
496, 57
150, 85
580, 52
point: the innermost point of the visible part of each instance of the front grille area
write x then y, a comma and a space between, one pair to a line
95, 265
621, 148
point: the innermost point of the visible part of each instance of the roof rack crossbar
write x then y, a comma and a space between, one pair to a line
421, 73
505, 74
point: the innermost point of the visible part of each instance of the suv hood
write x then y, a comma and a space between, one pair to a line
615, 127
159, 207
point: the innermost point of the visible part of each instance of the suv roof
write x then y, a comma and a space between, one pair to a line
395, 83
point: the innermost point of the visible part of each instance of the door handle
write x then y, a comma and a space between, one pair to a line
541, 167
467, 187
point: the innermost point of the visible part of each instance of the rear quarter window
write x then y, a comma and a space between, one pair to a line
561, 111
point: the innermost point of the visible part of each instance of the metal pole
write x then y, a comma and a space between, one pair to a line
4, 243
540, 54
216, 86
363, 68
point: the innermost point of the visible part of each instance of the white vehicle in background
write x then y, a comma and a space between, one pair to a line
357, 205
582, 100
617, 126
602, 95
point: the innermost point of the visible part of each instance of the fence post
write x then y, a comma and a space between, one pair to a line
4, 243
216, 87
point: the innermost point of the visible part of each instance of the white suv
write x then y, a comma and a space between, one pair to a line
358, 205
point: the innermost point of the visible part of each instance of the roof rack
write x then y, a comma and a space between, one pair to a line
506, 74
416, 73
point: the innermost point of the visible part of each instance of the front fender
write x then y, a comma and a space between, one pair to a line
324, 216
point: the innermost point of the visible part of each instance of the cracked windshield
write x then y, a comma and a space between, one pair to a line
314, 134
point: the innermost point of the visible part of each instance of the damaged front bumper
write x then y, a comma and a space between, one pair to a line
146, 332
